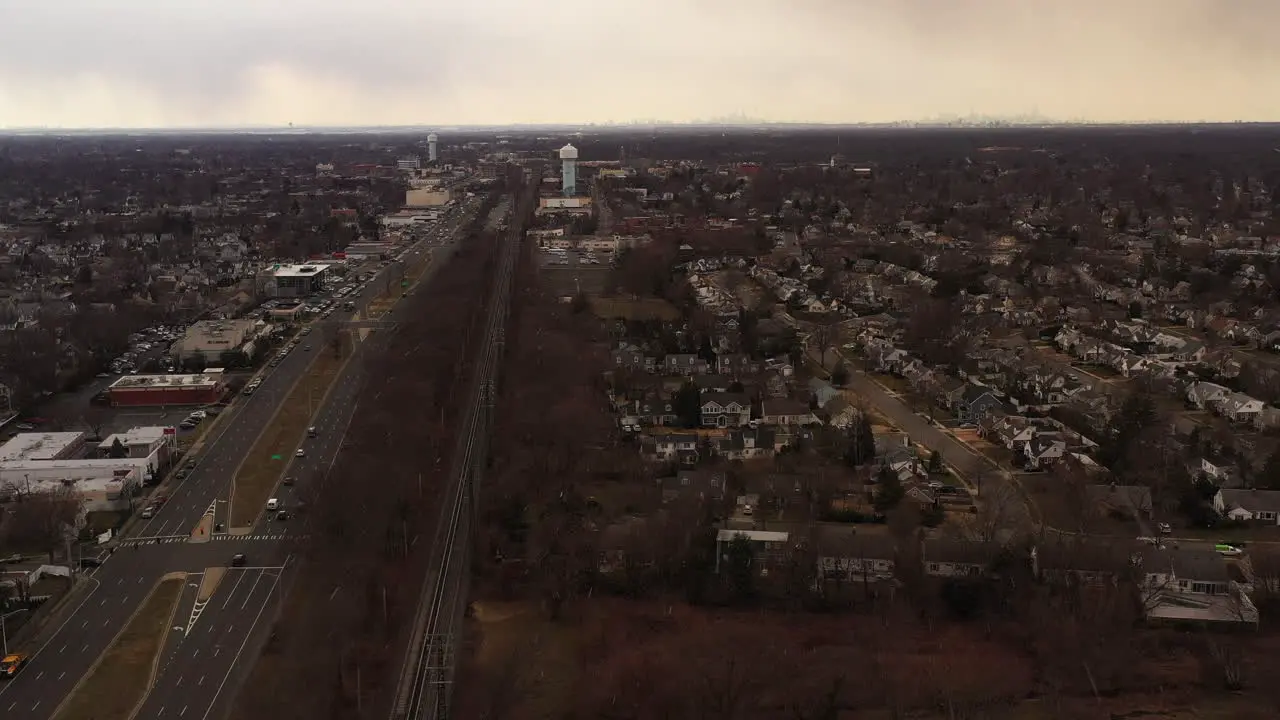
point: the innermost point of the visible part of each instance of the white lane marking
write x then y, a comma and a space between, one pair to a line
245, 642
200, 682
250, 593
40, 675
64, 647
233, 591
183, 711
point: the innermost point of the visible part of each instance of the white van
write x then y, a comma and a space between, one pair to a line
273, 505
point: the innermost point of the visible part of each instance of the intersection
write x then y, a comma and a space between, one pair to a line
204, 655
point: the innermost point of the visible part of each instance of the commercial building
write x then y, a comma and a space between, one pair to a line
155, 390
298, 280
426, 197
36, 446
105, 484
155, 444
370, 250
570, 205
409, 164
207, 340
432, 149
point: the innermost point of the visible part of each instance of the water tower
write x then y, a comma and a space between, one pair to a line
431, 147
569, 169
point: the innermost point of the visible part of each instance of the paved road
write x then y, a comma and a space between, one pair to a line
154, 547
198, 660
981, 472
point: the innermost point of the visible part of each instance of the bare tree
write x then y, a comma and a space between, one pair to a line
40, 520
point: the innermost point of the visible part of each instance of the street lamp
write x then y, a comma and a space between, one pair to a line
4, 637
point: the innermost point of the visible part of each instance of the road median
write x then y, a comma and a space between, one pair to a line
262, 468
119, 680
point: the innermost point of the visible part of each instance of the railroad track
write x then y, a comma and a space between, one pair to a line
424, 690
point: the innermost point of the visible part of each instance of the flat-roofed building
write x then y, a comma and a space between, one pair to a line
104, 481
207, 340
299, 280
154, 444
152, 390
42, 446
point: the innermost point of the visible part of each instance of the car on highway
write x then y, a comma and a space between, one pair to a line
238, 560
1228, 550
12, 663
300, 453
287, 481
273, 504
282, 516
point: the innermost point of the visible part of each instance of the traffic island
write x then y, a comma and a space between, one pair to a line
258, 475
119, 680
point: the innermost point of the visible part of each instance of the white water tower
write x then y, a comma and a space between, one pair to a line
569, 170
431, 147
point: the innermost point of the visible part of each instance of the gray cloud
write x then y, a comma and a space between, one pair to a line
197, 62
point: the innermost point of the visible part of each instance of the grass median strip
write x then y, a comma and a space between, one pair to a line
257, 476
120, 679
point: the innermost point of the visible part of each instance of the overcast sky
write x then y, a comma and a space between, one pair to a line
150, 63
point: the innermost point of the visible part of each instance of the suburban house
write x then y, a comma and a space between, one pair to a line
736, 364
768, 548
847, 557
698, 484
973, 403
1240, 408
787, 412
1129, 501
1181, 585
725, 410
1249, 505
684, 364
1043, 450
954, 558
750, 444
681, 446
1072, 560
840, 413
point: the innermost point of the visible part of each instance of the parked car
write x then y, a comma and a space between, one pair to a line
238, 560
148, 512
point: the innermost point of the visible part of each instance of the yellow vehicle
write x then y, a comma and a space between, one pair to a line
11, 664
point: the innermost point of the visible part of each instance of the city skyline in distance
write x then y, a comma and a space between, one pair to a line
156, 63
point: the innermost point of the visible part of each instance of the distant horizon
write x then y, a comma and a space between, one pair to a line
936, 124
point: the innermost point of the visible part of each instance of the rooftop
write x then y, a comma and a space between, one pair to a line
135, 436
308, 270
38, 445
210, 376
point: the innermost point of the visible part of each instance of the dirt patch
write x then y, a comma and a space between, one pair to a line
122, 676
637, 309
525, 661
271, 454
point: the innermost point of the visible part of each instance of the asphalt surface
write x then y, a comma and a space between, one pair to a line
197, 660
230, 625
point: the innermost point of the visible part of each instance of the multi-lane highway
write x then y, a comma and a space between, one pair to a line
196, 672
